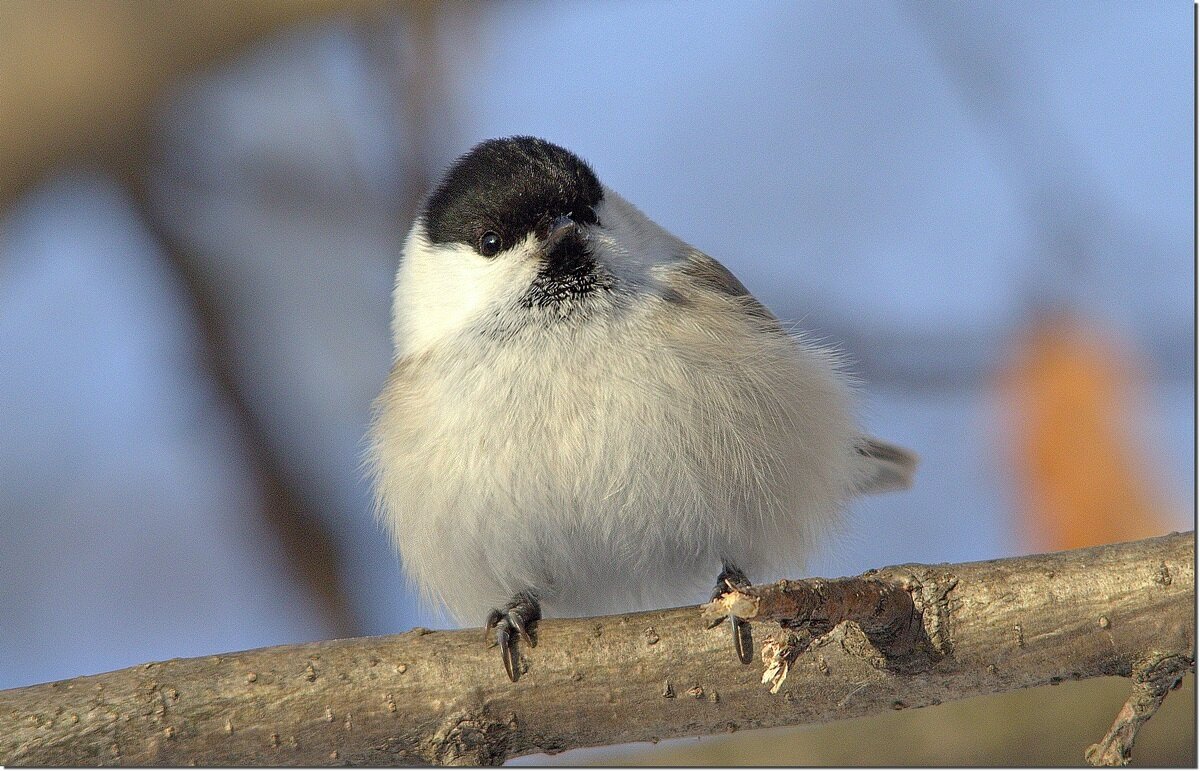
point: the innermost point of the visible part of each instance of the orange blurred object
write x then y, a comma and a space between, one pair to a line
1079, 476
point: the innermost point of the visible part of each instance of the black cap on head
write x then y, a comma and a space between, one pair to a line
510, 186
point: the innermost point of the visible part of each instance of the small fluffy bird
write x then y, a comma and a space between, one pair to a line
586, 415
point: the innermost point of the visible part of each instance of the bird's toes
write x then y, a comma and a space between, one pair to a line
517, 621
493, 618
512, 624
731, 580
508, 650
743, 642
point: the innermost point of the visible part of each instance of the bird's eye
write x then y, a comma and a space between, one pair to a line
490, 243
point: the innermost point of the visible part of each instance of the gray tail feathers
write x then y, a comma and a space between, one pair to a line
884, 467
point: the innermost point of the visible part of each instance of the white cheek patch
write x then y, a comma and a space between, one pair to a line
442, 288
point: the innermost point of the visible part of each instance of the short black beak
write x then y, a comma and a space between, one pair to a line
560, 229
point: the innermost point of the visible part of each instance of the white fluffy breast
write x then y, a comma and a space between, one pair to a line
608, 465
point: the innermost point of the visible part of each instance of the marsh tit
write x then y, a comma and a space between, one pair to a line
586, 415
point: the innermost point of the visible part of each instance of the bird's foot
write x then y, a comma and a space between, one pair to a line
515, 621
732, 578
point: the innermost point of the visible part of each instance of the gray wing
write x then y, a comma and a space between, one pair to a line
883, 467
709, 274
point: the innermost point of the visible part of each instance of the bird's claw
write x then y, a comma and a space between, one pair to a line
732, 579
513, 623
494, 616
743, 641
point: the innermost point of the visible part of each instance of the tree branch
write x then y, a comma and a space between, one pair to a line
1152, 678
440, 697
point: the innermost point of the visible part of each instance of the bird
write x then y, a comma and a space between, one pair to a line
586, 415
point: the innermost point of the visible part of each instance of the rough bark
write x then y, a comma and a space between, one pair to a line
441, 697
1152, 678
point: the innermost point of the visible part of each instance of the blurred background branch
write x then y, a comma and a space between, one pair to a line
82, 80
